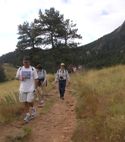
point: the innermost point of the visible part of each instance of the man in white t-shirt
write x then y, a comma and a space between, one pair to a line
28, 80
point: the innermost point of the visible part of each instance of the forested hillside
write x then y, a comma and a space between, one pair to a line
107, 51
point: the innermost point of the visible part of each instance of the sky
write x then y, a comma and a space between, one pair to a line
94, 18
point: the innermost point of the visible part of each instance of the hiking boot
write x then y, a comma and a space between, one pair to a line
27, 117
62, 98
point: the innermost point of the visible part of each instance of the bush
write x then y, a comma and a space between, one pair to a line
2, 74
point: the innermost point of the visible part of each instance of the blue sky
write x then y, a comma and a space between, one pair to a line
94, 18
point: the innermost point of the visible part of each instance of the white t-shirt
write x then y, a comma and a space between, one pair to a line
28, 85
41, 74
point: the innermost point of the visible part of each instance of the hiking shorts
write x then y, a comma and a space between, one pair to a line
26, 96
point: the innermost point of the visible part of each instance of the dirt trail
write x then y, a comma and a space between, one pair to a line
57, 125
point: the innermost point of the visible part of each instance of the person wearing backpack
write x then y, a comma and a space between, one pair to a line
27, 75
62, 78
42, 83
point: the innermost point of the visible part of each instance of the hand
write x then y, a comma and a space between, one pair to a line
34, 91
22, 78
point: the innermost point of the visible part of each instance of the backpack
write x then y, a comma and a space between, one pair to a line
22, 66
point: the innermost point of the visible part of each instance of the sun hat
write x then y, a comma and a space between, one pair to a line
62, 64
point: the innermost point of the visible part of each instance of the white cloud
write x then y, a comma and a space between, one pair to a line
94, 18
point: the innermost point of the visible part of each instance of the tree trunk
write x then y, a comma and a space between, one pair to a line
65, 41
52, 42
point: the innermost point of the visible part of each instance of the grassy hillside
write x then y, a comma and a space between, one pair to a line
10, 71
101, 105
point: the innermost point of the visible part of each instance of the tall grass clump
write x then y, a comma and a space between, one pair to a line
50, 80
101, 105
10, 108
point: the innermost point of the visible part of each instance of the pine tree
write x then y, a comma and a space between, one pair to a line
28, 36
50, 29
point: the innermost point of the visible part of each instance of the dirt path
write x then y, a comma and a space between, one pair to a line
58, 124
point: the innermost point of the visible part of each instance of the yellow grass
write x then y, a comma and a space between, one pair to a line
7, 88
9, 104
101, 105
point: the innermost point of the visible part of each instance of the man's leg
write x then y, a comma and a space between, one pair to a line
30, 100
63, 88
60, 88
23, 99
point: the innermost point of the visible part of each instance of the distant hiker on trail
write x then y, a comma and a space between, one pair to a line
28, 81
42, 83
62, 77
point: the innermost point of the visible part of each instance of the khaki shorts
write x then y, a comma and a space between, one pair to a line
26, 96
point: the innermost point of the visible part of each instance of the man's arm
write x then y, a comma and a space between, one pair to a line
17, 75
35, 78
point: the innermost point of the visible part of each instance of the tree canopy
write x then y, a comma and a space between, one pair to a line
50, 29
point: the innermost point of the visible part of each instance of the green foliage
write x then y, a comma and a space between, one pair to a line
106, 51
50, 29
50, 59
29, 36
2, 74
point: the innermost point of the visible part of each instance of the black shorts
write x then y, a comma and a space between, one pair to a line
40, 81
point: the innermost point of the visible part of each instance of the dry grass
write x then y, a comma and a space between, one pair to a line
50, 79
9, 104
10, 71
9, 87
10, 108
101, 105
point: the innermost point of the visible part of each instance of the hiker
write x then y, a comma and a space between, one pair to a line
62, 78
27, 75
42, 83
